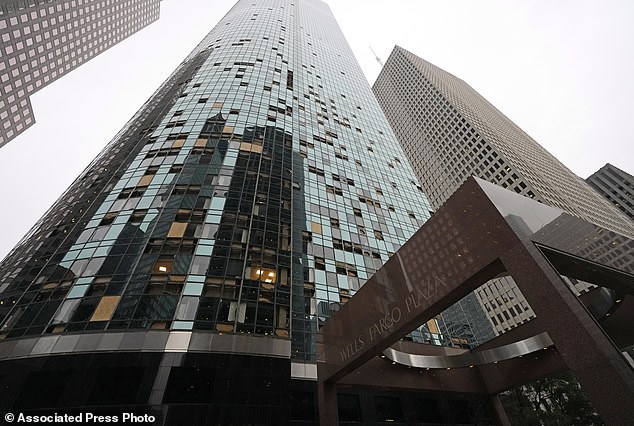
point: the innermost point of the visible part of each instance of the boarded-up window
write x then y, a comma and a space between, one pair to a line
245, 146
145, 180
433, 326
105, 308
315, 227
177, 230
224, 328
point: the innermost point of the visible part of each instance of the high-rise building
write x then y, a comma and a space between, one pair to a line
189, 266
450, 132
41, 40
616, 185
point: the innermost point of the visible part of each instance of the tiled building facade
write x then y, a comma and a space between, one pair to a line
41, 40
450, 132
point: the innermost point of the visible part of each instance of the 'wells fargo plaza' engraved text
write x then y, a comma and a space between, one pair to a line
413, 302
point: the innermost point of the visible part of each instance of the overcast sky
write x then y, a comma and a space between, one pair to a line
562, 70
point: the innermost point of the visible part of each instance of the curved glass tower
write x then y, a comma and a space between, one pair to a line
186, 270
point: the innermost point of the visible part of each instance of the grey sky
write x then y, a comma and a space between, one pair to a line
562, 70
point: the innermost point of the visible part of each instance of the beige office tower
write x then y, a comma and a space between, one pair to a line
450, 132
42, 40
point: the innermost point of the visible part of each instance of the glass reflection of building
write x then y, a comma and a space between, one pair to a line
254, 192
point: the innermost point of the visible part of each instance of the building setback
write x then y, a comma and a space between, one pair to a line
42, 40
615, 185
450, 132
189, 266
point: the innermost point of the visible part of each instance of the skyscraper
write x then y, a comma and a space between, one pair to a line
250, 196
450, 132
615, 185
43, 40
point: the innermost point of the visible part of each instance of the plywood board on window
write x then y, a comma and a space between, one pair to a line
177, 230
145, 180
105, 308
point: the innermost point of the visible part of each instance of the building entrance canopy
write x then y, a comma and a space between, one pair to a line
481, 232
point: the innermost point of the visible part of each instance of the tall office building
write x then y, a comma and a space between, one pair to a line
41, 40
615, 185
189, 266
450, 132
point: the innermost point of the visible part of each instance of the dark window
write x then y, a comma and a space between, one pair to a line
116, 385
349, 408
42, 389
427, 411
303, 406
460, 411
388, 409
190, 385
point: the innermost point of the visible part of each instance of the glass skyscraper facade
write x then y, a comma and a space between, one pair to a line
251, 195
42, 40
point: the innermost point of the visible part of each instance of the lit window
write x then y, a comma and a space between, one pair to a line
266, 275
163, 266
